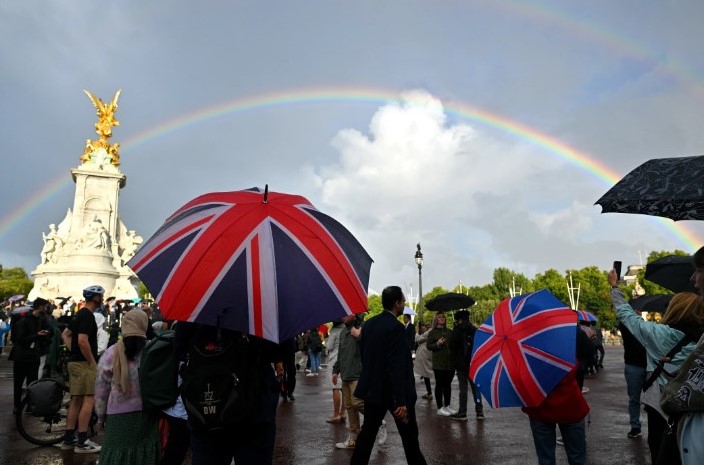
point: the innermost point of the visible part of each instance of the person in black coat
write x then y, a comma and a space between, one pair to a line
460, 343
408, 313
29, 336
386, 381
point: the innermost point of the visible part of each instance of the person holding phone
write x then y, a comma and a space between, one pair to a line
443, 366
682, 324
30, 337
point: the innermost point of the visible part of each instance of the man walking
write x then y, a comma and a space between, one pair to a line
386, 381
461, 341
82, 370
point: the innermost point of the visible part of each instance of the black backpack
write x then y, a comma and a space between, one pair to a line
221, 386
158, 373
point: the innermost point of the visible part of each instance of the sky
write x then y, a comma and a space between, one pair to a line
483, 130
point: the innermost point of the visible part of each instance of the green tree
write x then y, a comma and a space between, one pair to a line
374, 306
14, 281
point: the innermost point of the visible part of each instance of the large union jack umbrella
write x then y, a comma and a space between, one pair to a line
265, 263
524, 349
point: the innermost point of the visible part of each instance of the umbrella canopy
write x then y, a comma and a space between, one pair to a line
583, 315
524, 349
651, 303
266, 263
668, 187
448, 302
672, 272
16, 297
24, 309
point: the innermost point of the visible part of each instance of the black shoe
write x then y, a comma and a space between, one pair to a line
290, 397
634, 433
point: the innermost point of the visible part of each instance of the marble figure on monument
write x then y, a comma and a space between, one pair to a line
52, 244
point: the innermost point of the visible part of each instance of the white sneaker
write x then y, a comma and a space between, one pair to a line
450, 410
310, 374
348, 444
383, 434
444, 412
585, 390
88, 447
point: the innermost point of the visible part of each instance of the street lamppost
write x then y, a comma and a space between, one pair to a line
419, 262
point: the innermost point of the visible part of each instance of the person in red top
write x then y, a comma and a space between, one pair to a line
564, 407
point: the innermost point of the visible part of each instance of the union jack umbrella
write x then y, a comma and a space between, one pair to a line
524, 349
265, 263
583, 315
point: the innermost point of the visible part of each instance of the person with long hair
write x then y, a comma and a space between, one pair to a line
131, 434
682, 325
443, 368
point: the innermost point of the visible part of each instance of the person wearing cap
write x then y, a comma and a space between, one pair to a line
131, 434
460, 343
30, 337
408, 315
82, 370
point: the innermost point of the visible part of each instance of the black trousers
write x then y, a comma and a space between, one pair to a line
373, 415
20, 372
178, 443
443, 387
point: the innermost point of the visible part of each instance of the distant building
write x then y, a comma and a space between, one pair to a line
631, 277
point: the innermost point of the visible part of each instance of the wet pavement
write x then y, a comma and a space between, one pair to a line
303, 436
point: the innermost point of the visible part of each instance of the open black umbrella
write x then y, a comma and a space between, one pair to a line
449, 301
672, 272
667, 187
651, 303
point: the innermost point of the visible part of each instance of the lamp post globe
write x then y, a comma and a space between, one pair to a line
419, 262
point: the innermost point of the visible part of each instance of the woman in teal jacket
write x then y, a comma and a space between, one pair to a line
684, 316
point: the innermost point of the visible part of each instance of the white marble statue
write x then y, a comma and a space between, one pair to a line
95, 236
52, 244
132, 242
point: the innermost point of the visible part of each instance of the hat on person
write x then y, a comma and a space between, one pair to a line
409, 311
134, 323
462, 315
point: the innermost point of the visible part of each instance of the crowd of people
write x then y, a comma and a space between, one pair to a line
372, 365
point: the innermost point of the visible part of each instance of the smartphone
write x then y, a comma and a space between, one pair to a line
617, 267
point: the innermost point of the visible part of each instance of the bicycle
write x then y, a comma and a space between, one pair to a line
49, 429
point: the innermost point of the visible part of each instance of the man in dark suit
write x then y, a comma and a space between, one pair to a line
386, 381
408, 313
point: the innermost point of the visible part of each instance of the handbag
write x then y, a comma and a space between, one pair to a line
684, 393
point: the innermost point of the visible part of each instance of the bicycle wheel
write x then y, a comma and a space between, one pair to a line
41, 430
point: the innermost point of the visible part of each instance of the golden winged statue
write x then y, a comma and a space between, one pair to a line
106, 120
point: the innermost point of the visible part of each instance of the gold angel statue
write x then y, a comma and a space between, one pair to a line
106, 120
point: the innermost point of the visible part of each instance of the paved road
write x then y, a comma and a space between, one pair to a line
304, 438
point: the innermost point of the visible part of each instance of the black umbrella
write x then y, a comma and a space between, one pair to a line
449, 301
672, 272
668, 187
651, 303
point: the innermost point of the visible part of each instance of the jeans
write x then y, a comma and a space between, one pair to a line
573, 435
464, 383
635, 376
314, 361
20, 372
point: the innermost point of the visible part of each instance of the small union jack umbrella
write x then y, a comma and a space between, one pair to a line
265, 263
583, 315
524, 349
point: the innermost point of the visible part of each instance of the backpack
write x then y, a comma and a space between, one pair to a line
158, 373
45, 396
221, 386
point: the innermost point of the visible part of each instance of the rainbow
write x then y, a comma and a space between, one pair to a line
329, 95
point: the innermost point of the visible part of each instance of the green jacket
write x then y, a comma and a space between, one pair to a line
349, 359
442, 356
